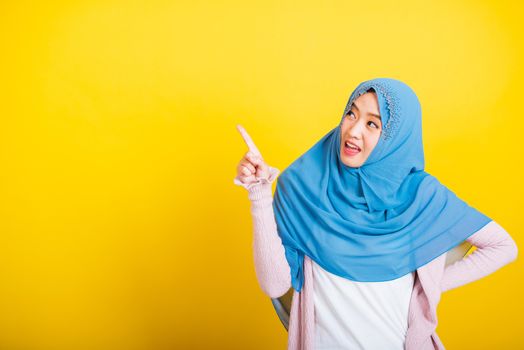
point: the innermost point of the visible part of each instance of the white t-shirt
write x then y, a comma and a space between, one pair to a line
360, 315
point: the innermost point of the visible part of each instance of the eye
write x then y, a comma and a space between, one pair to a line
376, 126
350, 112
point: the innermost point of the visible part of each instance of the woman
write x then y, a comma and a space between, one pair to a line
360, 231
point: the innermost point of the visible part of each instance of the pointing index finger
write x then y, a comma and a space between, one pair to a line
247, 139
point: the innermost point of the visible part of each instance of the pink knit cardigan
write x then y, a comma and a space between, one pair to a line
495, 248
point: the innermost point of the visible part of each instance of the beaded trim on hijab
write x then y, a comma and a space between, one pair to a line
393, 105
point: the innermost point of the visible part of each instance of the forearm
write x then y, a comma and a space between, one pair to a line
271, 267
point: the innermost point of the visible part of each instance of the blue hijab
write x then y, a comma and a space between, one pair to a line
376, 222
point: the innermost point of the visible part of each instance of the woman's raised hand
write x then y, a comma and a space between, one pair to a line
251, 167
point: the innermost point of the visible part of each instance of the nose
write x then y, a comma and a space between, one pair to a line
355, 130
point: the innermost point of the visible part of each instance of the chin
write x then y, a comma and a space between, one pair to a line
351, 163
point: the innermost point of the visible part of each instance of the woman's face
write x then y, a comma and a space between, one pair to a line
362, 127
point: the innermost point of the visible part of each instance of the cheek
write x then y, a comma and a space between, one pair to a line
372, 140
344, 126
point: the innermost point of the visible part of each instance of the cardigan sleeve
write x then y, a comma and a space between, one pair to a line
271, 267
495, 248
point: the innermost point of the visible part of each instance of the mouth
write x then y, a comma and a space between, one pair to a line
351, 149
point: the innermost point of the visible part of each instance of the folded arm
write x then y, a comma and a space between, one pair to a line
495, 248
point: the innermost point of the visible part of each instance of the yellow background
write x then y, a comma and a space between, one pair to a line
120, 225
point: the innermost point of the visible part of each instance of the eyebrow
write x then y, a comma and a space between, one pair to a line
372, 114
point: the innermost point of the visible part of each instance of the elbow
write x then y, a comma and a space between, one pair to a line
514, 252
275, 287
274, 280
508, 244
276, 293
276, 290
511, 250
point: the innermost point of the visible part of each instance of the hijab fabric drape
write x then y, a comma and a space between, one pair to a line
381, 220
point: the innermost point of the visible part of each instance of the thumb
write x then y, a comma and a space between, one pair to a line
262, 169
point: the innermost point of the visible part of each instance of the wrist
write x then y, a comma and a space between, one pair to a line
260, 191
